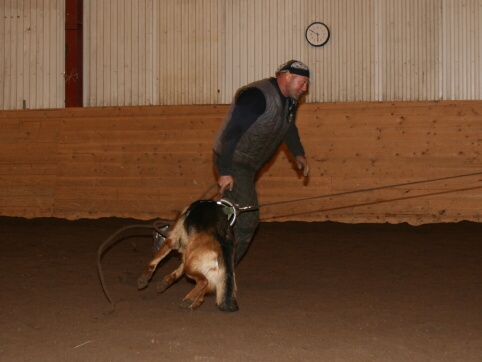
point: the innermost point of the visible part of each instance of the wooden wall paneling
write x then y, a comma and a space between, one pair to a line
424, 145
138, 160
145, 162
28, 162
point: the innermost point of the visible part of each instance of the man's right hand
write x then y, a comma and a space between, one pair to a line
225, 183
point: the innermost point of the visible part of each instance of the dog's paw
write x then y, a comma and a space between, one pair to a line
142, 281
162, 286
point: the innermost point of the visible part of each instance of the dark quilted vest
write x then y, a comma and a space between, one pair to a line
261, 140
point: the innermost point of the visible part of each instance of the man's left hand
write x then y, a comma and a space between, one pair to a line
302, 164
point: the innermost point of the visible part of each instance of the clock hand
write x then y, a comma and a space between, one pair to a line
314, 32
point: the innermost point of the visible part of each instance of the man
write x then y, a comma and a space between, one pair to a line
261, 116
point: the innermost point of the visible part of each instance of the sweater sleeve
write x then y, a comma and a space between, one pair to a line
293, 141
249, 105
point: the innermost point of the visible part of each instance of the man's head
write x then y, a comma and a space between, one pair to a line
293, 78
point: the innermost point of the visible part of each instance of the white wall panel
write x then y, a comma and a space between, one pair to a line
343, 69
200, 52
150, 52
32, 54
461, 53
409, 54
121, 52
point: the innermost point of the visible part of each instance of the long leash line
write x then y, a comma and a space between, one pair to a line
111, 240
231, 209
374, 202
158, 225
364, 190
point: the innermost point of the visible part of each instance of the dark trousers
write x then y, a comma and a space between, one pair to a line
243, 194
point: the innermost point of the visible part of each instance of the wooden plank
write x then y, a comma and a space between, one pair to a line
460, 104
397, 152
23, 125
141, 111
166, 183
118, 193
137, 123
42, 189
149, 147
75, 209
201, 121
126, 170
25, 157
377, 123
157, 159
32, 210
40, 169
174, 136
28, 114
11, 152
26, 202
29, 181
37, 136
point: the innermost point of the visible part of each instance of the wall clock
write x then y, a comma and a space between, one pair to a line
317, 34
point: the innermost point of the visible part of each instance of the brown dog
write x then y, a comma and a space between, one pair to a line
204, 237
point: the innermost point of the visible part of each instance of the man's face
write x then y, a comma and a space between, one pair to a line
297, 85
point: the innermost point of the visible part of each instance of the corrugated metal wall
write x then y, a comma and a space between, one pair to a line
190, 38
121, 52
202, 51
159, 52
461, 54
408, 42
32, 54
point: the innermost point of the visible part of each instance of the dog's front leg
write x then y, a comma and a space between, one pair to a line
170, 278
146, 275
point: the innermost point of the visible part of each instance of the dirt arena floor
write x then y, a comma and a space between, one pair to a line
306, 291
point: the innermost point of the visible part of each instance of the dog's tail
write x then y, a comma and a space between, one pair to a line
226, 293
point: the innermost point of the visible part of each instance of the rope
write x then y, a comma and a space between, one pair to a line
111, 240
159, 224
367, 190
374, 202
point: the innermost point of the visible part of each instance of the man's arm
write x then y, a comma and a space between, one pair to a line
293, 142
250, 104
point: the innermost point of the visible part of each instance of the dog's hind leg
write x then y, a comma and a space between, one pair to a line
170, 279
198, 292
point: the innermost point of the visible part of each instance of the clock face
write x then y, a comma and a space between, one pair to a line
317, 34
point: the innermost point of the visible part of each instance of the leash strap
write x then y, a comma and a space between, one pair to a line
231, 209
